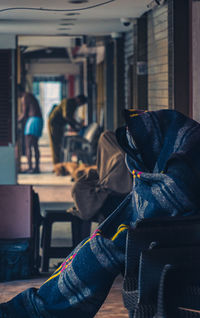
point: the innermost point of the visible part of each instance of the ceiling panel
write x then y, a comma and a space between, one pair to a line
50, 17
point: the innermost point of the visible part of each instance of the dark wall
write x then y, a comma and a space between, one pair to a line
179, 12
119, 95
109, 87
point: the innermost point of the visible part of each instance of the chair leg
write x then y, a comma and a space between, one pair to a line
37, 258
76, 231
85, 229
46, 244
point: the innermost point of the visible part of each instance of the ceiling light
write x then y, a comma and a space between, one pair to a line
63, 29
62, 34
72, 13
78, 1
68, 20
116, 35
66, 23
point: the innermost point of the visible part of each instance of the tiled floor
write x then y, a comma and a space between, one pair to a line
56, 191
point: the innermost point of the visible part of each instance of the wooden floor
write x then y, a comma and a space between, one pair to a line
112, 307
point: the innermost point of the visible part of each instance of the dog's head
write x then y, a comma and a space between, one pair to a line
70, 167
59, 169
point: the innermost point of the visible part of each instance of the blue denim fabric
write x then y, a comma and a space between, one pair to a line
79, 287
164, 159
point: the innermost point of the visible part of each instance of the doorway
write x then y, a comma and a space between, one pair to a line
49, 92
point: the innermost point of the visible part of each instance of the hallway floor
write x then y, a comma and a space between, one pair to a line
54, 192
112, 307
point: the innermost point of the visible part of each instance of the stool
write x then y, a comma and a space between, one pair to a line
48, 218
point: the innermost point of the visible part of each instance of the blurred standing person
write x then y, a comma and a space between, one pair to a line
32, 115
61, 115
52, 108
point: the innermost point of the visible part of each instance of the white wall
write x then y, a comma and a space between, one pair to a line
7, 41
7, 165
52, 68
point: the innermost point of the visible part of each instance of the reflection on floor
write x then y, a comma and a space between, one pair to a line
56, 191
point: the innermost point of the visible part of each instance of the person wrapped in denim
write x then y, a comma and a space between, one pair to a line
162, 153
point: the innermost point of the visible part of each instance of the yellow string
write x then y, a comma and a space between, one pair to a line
120, 229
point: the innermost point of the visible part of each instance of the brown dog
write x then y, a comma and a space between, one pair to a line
65, 168
74, 169
84, 169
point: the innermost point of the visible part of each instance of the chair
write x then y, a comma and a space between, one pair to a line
152, 262
80, 229
83, 147
179, 290
164, 241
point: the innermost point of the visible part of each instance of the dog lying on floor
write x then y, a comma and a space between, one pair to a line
74, 169
64, 168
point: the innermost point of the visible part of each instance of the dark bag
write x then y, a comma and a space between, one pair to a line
16, 259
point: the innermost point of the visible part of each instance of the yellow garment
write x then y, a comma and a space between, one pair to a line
59, 117
63, 106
